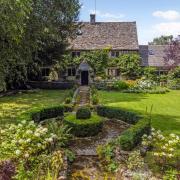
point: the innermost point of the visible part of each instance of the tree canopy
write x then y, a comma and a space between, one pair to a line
32, 33
163, 40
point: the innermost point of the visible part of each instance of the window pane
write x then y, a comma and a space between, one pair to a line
69, 72
73, 71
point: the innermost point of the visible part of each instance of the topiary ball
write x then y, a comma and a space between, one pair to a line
83, 113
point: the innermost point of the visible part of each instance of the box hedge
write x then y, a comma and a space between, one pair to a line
132, 136
112, 112
50, 112
84, 128
83, 113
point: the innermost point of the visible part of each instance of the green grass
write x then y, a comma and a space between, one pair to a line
165, 112
17, 107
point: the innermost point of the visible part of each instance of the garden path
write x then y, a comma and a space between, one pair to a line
84, 96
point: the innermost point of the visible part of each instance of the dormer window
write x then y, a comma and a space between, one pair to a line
76, 54
114, 54
151, 52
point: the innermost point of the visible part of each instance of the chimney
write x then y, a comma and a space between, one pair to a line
92, 18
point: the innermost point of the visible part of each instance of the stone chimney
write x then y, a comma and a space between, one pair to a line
92, 18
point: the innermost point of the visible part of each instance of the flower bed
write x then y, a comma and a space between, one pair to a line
86, 127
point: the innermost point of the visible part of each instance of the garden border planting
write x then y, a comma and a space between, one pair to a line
86, 127
132, 136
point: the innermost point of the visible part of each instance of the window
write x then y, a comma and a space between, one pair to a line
45, 71
71, 71
114, 53
113, 72
76, 54
151, 52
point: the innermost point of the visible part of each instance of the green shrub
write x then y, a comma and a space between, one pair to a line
95, 99
80, 128
119, 85
68, 100
133, 136
47, 113
83, 113
112, 112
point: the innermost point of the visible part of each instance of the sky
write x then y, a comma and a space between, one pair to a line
153, 17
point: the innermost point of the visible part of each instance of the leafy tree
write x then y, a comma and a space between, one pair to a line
163, 40
98, 60
172, 53
129, 65
33, 33
175, 73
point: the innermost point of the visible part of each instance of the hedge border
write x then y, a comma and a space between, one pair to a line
132, 136
84, 128
50, 112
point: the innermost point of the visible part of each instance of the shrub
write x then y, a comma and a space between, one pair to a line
119, 85
68, 100
47, 113
164, 148
95, 99
135, 161
80, 128
132, 136
83, 113
68, 108
117, 113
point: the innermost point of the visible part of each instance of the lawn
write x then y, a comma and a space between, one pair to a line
17, 107
165, 111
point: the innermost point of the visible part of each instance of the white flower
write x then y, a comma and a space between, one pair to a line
29, 132
37, 134
149, 137
39, 144
23, 122
171, 149
17, 152
20, 125
28, 140
44, 130
50, 140
21, 141
170, 155
26, 155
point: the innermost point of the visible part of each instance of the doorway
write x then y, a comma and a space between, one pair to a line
84, 78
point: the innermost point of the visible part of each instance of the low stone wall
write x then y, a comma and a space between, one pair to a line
51, 85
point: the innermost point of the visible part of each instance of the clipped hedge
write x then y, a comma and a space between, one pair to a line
81, 128
132, 136
112, 112
50, 112
83, 113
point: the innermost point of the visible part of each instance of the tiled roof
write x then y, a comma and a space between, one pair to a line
117, 35
153, 55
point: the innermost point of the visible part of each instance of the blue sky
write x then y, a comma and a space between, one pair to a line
153, 17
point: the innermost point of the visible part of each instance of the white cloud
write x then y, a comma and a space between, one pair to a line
106, 16
168, 15
171, 28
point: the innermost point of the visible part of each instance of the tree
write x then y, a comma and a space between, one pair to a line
33, 33
129, 65
172, 53
150, 73
163, 40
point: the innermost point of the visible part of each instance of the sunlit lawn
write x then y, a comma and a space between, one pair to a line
165, 112
17, 107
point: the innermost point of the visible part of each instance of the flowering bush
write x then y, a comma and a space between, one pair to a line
145, 84
24, 140
164, 148
26, 145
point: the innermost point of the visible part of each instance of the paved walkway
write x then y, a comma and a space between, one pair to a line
84, 95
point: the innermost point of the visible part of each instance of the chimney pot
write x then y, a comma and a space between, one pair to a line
92, 18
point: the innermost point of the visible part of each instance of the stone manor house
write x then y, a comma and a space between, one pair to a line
122, 37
